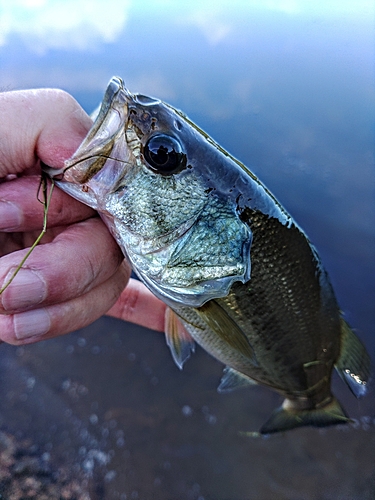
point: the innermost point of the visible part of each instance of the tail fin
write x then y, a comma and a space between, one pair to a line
353, 364
284, 419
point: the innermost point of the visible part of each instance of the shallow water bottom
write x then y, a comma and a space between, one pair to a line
108, 405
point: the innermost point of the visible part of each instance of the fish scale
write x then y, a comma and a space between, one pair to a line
274, 313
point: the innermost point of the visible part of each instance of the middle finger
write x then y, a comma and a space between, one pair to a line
78, 259
21, 211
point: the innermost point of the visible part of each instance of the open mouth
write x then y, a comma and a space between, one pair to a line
100, 141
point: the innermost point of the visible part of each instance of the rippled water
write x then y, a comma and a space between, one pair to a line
290, 92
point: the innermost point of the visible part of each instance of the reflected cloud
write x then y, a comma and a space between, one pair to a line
239, 8
210, 23
84, 24
61, 24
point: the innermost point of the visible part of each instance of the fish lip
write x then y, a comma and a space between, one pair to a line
100, 139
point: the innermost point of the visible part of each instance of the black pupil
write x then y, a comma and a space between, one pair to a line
163, 153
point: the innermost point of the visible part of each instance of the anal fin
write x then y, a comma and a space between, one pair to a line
353, 365
286, 418
179, 341
232, 379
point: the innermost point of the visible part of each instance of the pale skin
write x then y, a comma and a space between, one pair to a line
78, 272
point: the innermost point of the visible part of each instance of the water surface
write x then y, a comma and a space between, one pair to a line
289, 90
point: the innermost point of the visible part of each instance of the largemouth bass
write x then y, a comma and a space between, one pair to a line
206, 236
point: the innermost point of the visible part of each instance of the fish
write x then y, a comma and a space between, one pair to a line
238, 275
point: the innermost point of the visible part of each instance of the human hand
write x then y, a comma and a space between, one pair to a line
78, 273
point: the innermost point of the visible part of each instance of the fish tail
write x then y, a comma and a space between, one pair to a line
353, 365
286, 418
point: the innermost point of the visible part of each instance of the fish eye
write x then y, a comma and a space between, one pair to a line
164, 154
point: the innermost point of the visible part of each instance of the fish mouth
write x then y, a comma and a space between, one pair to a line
100, 143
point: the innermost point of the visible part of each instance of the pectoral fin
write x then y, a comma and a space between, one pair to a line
178, 339
226, 328
353, 364
232, 379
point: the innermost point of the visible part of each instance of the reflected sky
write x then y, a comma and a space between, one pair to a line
75, 24
83, 24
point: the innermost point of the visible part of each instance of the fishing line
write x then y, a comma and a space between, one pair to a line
43, 186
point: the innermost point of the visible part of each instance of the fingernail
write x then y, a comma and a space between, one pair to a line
31, 324
10, 216
26, 290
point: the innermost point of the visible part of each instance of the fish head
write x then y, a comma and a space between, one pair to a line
167, 194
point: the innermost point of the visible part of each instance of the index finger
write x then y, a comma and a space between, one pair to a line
46, 123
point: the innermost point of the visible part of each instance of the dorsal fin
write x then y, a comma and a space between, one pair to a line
232, 379
353, 364
226, 328
178, 339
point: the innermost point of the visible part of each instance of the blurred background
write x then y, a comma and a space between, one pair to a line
288, 87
